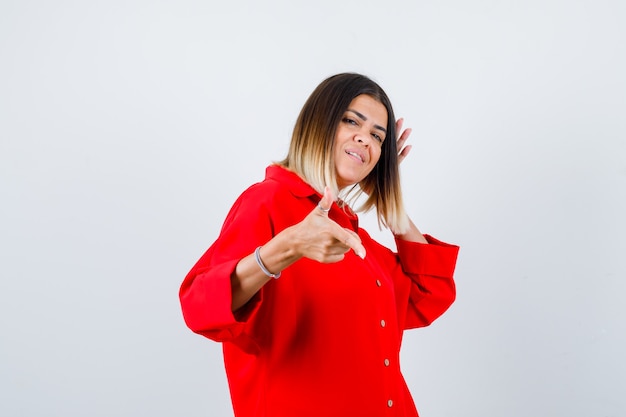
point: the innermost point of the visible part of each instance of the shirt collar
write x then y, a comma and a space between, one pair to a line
301, 189
296, 185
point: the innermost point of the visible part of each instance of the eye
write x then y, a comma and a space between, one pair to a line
349, 121
377, 137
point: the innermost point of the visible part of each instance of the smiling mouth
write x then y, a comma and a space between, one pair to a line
356, 155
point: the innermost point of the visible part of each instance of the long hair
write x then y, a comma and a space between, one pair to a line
311, 152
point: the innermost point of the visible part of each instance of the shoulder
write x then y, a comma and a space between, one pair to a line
264, 192
277, 188
279, 182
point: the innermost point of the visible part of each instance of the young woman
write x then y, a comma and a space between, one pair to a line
309, 308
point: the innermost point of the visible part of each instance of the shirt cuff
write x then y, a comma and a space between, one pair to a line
435, 258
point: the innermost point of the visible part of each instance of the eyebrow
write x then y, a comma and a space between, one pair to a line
362, 117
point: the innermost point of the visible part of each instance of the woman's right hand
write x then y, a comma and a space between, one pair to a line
320, 238
316, 237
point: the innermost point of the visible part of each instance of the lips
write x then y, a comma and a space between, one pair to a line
356, 155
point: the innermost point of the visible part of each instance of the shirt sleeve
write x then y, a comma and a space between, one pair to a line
424, 282
205, 294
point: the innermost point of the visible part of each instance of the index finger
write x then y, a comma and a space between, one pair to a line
352, 240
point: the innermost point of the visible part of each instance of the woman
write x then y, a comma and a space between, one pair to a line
310, 309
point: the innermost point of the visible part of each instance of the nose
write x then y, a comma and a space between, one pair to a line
362, 137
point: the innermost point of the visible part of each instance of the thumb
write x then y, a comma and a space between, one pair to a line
326, 202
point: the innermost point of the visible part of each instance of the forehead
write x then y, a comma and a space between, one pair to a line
371, 108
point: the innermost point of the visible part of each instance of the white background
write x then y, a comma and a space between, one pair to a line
128, 128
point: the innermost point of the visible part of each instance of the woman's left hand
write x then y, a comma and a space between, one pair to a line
403, 151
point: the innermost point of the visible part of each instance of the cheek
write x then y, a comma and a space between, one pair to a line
376, 155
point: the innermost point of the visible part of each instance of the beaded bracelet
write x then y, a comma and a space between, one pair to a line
257, 256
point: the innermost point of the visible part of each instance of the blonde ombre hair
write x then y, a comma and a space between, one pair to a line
313, 141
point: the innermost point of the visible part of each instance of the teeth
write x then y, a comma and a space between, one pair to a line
355, 154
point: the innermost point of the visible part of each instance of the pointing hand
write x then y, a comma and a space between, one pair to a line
320, 238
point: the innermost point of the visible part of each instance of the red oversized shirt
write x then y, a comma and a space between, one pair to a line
323, 339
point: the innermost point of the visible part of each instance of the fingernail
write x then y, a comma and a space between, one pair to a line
361, 254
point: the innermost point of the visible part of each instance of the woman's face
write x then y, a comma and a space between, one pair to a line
359, 140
